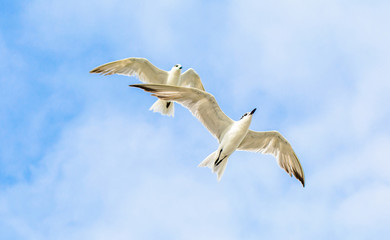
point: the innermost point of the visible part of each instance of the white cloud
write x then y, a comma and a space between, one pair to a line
101, 179
305, 50
318, 70
130, 27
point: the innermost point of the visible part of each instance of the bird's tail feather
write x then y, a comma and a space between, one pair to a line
209, 162
163, 107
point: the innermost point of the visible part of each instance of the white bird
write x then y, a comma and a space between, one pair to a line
231, 135
148, 73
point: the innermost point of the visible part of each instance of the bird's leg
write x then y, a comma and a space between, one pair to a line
217, 163
219, 155
168, 103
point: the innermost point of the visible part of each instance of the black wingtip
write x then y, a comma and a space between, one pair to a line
302, 181
299, 177
96, 70
143, 87
137, 86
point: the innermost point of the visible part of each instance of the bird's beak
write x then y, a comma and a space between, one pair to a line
253, 111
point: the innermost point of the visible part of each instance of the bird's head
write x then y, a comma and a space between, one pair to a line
177, 67
248, 115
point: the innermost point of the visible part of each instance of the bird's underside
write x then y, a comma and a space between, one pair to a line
204, 107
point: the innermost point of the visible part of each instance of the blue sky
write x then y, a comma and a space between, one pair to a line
81, 157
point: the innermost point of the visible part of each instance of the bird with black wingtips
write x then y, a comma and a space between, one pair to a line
148, 73
231, 135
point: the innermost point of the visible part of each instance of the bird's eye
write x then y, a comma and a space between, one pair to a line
176, 65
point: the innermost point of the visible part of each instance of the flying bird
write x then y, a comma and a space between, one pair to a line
148, 73
231, 135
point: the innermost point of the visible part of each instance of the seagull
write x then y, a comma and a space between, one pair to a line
231, 135
148, 73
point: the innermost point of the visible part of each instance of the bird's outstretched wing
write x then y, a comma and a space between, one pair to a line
191, 79
140, 67
201, 104
274, 143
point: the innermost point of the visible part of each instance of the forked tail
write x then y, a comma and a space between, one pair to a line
216, 162
163, 107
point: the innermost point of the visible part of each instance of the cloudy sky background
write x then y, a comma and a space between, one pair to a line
81, 157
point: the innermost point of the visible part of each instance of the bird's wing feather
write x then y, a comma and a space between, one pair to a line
140, 67
201, 104
191, 79
272, 142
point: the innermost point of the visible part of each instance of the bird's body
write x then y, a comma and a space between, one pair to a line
148, 73
234, 136
229, 142
174, 76
231, 135
166, 107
